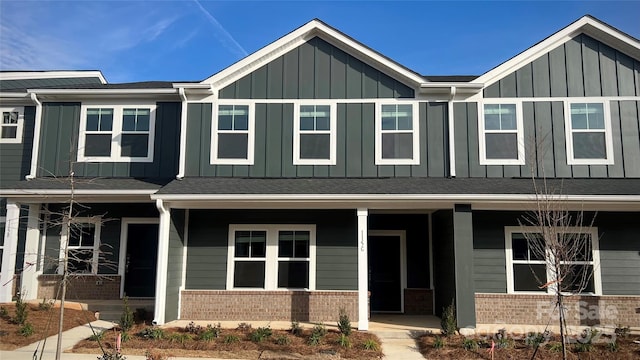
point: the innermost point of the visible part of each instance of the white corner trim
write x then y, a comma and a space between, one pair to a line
363, 269
521, 160
452, 127
36, 138
608, 136
183, 134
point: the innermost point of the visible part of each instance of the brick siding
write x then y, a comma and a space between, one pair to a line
85, 287
418, 302
536, 310
220, 305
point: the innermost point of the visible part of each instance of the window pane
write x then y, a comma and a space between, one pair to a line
579, 116
397, 146
232, 146
106, 119
306, 123
129, 122
405, 116
508, 117
519, 247
285, 244
258, 245
93, 119
492, 117
524, 278
144, 116
9, 132
225, 122
1, 235
315, 146
81, 235
302, 245
249, 274
80, 261
595, 114
293, 274
97, 145
322, 117
241, 122
10, 117
389, 123
242, 244
589, 145
578, 277
501, 146
581, 246
135, 145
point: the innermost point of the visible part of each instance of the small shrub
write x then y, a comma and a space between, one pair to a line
261, 333
344, 323
504, 343
470, 344
21, 312
314, 339
319, 329
449, 323
125, 336
112, 356
296, 329
154, 355
211, 332
97, 336
438, 343
371, 344
126, 319
585, 341
45, 305
154, 333
622, 331
534, 339
580, 347
343, 340
613, 346
4, 313
180, 337
26, 329
230, 339
244, 327
192, 328
555, 347
283, 340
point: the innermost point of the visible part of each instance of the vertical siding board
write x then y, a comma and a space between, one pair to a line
46, 157
322, 70
529, 167
494, 171
385, 86
508, 85
461, 139
170, 132
573, 63
558, 72
321, 171
512, 170
260, 142
192, 151
617, 169
403, 91
435, 143
630, 140
369, 82
608, 71
422, 169
273, 165
91, 169
541, 81
559, 150
354, 143
354, 78
591, 67
275, 79
229, 91
368, 140
624, 70
305, 71
259, 83
243, 87
544, 136
288, 169
402, 170
524, 81
338, 73
290, 74
121, 169
475, 169
492, 91
338, 170
206, 169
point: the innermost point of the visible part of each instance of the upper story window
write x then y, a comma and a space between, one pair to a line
314, 138
589, 139
501, 139
233, 134
12, 125
397, 140
123, 133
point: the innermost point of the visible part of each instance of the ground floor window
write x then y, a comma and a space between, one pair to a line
2, 227
528, 268
83, 241
271, 257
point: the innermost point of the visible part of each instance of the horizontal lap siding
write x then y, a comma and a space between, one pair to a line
174, 264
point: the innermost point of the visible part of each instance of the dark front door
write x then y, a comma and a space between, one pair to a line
384, 273
141, 260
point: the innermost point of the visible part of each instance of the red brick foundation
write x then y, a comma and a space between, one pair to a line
537, 309
221, 305
418, 301
85, 287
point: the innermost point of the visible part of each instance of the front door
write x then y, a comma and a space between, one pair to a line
385, 282
141, 260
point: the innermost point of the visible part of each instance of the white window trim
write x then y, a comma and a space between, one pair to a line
595, 253
608, 136
271, 254
333, 122
64, 238
19, 126
250, 138
116, 132
415, 132
482, 133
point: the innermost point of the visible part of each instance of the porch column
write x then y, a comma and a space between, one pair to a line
163, 257
9, 251
363, 271
463, 256
29, 278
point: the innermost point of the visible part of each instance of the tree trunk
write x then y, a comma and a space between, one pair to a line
562, 325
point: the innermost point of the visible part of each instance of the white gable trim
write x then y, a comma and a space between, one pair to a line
587, 25
300, 36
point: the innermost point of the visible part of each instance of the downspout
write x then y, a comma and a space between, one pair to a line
452, 144
183, 134
162, 267
36, 138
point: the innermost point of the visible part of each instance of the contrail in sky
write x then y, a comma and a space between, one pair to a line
222, 34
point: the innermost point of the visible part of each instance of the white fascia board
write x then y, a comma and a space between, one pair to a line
296, 38
445, 86
14, 95
57, 192
25, 75
102, 91
586, 25
191, 86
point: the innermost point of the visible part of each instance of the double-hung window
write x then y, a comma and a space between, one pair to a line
12, 125
589, 138
397, 140
314, 138
120, 133
528, 269
501, 139
82, 240
2, 229
271, 257
233, 134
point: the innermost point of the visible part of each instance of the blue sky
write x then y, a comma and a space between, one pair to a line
192, 39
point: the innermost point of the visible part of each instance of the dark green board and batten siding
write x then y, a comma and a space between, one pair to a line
355, 157
316, 70
544, 126
58, 143
582, 66
619, 251
336, 245
16, 158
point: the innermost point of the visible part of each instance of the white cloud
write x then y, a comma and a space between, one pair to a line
221, 33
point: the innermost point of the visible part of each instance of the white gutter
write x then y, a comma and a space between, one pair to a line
452, 145
192, 86
183, 134
13, 95
445, 85
36, 137
101, 91
95, 192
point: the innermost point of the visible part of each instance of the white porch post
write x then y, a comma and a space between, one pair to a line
363, 271
163, 257
9, 251
29, 278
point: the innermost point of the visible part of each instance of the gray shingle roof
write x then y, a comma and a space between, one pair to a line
91, 184
24, 84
